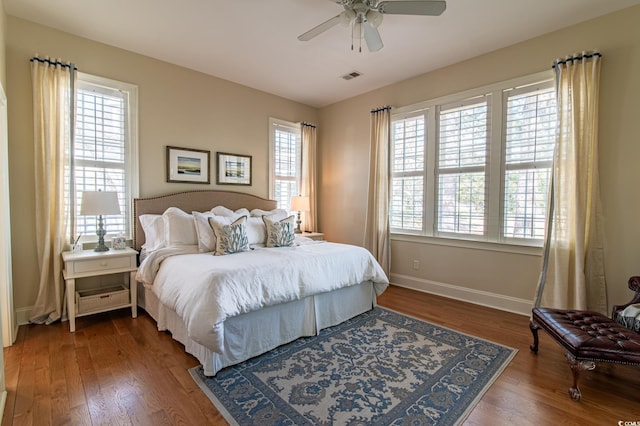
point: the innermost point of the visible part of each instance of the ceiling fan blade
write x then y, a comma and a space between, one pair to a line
412, 7
372, 37
319, 29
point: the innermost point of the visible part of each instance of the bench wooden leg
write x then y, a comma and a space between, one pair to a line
534, 330
576, 367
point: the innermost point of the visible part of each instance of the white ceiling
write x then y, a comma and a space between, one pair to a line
254, 42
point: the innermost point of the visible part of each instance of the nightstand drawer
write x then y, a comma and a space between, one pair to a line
101, 299
79, 267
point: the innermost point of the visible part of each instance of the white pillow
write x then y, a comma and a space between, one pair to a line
280, 232
256, 229
204, 233
260, 212
223, 211
153, 227
242, 212
230, 237
179, 228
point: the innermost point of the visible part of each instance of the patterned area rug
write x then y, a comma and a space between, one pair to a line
379, 368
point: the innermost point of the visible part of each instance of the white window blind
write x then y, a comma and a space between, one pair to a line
408, 168
530, 125
104, 151
285, 164
476, 165
462, 157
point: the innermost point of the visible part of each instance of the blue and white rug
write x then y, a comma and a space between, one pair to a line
379, 368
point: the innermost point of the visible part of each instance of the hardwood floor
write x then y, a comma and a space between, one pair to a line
118, 370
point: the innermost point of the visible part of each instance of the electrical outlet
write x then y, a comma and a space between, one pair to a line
416, 264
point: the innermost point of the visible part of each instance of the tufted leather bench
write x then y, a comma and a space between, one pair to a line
589, 337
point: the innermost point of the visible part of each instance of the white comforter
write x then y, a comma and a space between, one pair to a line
204, 289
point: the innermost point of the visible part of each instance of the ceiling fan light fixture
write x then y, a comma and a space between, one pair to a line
346, 17
375, 18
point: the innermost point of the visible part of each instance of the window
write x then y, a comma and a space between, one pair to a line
475, 165
285, 161
104, 153
461, 168
408, 167
529, 142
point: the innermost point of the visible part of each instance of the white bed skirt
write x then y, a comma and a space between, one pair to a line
255, 333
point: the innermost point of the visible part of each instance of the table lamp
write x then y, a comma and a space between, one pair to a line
99, 203
299, 204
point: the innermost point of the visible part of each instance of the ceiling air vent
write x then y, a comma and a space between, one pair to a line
351, 75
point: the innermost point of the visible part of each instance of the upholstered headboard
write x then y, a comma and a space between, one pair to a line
189, 201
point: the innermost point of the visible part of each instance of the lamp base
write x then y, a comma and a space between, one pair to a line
298, 222
101, 233
101, 247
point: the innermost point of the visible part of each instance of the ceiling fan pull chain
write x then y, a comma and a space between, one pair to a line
352, 30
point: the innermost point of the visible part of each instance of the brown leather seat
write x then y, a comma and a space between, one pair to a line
589, 336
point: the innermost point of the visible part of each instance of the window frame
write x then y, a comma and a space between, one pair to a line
493, 238
413, 173
462, 170
131, 163
529, 88
275, 123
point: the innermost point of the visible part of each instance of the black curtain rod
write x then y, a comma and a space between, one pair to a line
53, 62
375, 110
304, 123
576, 58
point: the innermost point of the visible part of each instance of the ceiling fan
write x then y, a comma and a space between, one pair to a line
365, 16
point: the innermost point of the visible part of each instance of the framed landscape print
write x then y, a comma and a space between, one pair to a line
187, 165
233, 169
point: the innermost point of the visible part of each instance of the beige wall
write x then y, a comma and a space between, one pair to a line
177, 107
185, 108
3, 36
344, 145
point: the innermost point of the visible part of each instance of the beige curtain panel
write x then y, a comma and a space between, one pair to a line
377, 239
308, 181
52, 117
572, 276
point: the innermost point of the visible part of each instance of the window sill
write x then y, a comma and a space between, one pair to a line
470, 244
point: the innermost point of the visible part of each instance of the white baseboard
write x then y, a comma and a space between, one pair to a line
478, 297
23, 315
3, 402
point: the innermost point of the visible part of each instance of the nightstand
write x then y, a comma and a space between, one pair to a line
319, 236
89, 263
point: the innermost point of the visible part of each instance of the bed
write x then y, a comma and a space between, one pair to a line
269, 296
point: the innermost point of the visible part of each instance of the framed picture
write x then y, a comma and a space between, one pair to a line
233, 169
187, 165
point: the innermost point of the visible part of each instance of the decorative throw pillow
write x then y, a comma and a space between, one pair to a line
280, 232
256, 229
230, 238
630, 317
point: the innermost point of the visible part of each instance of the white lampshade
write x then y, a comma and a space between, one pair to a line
300, 204
95, 203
